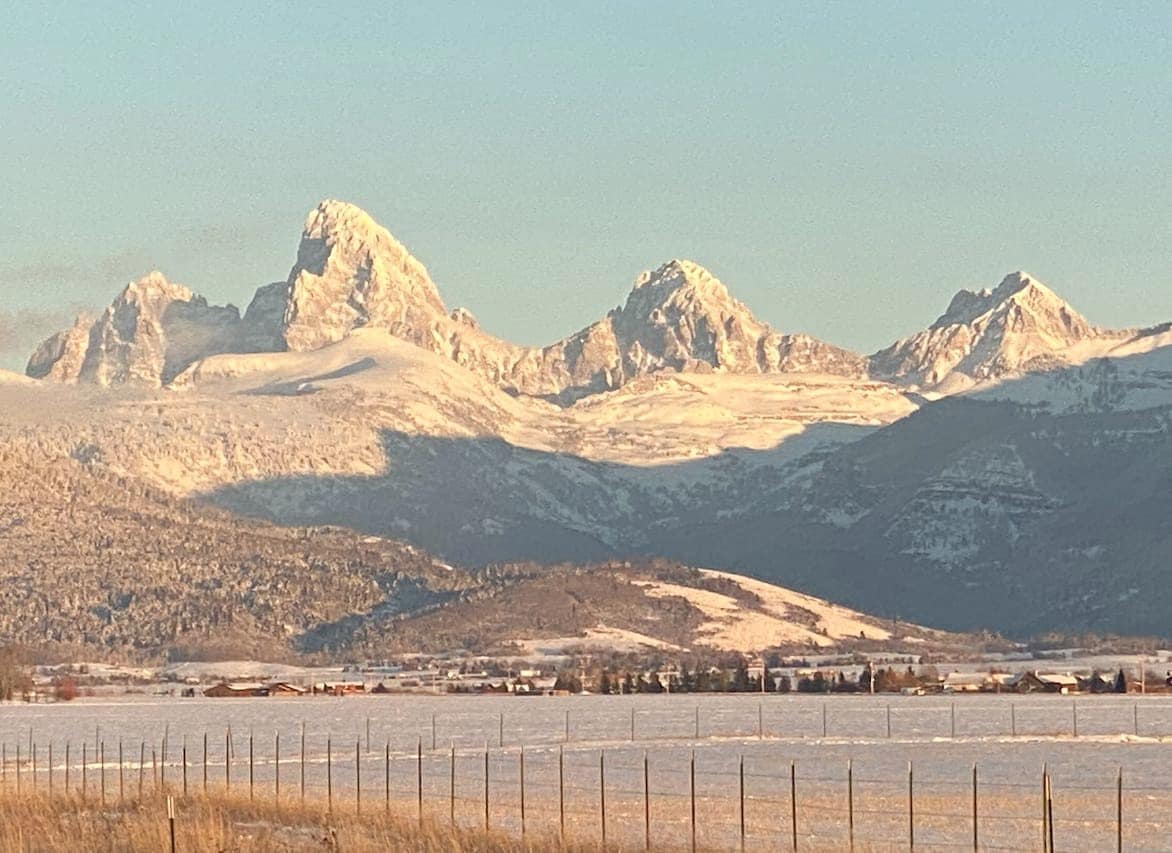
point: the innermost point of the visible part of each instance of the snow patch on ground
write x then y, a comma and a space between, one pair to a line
600, 636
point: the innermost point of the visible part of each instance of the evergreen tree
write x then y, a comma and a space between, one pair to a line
1121, 682
740, 679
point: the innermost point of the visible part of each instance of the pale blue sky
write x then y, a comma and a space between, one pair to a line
844, 167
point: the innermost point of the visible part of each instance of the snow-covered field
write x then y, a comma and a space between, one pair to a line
767, 733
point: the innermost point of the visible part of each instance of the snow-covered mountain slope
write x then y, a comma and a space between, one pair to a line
981, 513
7, 377
1133, 375
640, 606
1020, 326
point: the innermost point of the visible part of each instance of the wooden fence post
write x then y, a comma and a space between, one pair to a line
330, 774
102, 770
433, 732
741, 786
500, 740
522, 790
1074, 717
205, 761
823, 719
976, 837
692, 791
1119, 812
911, 809
1046, 834
486, 793
793, 803
251, 767
387, 775
561, 794
50, 768
646, 803
141, 763
850, 803
358, 777
452, 785
419, 777
602, 793
889, 721
302, 764
228, 759
276, 767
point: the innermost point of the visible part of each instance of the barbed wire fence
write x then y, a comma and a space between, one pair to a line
708, 785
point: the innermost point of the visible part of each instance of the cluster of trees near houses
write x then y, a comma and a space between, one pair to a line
736, 675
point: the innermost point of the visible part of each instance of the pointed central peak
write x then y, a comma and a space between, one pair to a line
1019, 288
676, 274
154, 287
331, 216
351, 272
1017, 326
682, 287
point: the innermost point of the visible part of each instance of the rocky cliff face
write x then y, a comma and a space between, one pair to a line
351, 273
1019, 326
150, 334
681, 318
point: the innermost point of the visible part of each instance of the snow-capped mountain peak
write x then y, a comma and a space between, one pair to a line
984, 335
148, 335
351, 272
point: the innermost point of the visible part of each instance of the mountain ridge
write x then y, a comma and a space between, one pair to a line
351, 273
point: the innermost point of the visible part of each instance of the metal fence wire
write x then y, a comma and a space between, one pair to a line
736, 795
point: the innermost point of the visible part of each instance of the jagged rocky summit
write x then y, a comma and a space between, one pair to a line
351, 273
151, 332
1020, 326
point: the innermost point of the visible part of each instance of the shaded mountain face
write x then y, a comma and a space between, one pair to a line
151, 332
351, 273
1020, 326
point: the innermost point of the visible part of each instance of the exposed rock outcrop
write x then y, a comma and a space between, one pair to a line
1019, 326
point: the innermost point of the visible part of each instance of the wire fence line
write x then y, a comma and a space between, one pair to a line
536, 721
727, 795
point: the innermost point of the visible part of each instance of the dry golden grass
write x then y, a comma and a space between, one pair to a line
220, 823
